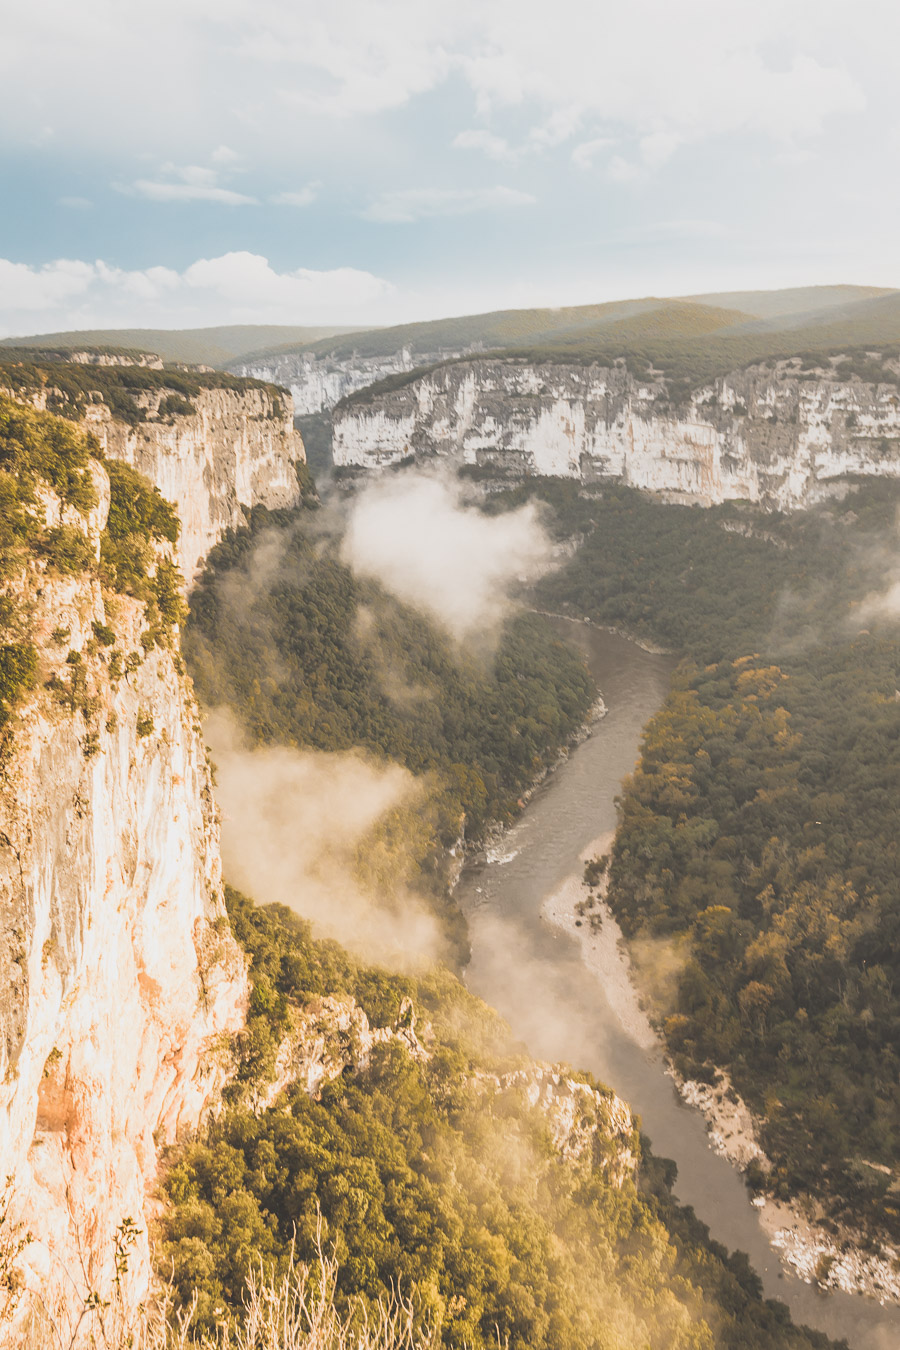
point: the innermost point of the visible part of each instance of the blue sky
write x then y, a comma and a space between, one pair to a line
373, 161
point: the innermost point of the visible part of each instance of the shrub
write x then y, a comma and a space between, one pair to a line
103, 633
66, 549
137, 508
140, 519
18, 668
175, 405
35, 445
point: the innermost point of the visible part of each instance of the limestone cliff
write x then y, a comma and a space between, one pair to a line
589, 1127
776, 435
237, 448
220, 449
121, 980
317, 382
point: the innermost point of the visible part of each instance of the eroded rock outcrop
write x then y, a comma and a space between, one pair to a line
775, 435
330, 1035
587, 1126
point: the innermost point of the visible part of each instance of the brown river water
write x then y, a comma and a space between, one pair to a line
534, 975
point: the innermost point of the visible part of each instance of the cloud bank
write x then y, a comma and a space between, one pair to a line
413, 204
293, 823
415, 533
238, 287
694, 70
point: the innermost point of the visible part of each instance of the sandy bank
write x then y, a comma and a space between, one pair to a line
806, 1249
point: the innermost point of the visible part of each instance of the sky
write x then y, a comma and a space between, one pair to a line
362, 162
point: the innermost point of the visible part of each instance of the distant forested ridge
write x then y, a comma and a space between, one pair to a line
759, 845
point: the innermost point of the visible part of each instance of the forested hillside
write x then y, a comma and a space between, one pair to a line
756, 866
438, 1172
429, 1160
308, 655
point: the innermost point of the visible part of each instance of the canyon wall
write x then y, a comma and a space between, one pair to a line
220, 451
773, 435
121, 980
237, 449
123, 984
317, 382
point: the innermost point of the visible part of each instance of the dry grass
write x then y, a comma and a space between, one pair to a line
297, 1312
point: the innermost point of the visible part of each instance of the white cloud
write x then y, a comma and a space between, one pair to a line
410, 204
791, 158
233, 71
586, 152
417, 535
246, 279
560, 126
75, 203
355, 58
495, 147
190, 183
294, 823
622, 171
658, 147
41, 288
235, 287
189, 192
684, 229
651, 152
691, 70
304, 197
668, 231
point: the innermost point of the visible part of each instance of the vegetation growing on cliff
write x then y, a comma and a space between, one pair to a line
37, 453
430, 1177
69, 387
41, 457
38, 450
756, 867
139, 521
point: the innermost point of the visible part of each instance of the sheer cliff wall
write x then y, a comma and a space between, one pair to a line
121, 980
772, 436
225, 449
317, 383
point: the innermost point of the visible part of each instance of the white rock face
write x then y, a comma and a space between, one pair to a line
121, 982
317, 383
772, 437
330, 1035
588, 1126
238, 449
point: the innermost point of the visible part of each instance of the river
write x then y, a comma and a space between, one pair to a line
534, 975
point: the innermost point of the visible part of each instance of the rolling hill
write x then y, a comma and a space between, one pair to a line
200, 346
599, 327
